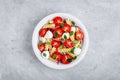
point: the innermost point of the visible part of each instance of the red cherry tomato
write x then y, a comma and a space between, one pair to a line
42, 32
41, 47
55, 43
79, 35
66, 28
57, 32
57, 56
66, 59
57, 21
68, 43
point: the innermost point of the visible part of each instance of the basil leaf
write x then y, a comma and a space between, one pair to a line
44, 54
75, 41
40, 42
72, 50
73, 23
75, 57
48, 43
71, 33
65, 37
54, 56
69, 60
55, 34
62, 24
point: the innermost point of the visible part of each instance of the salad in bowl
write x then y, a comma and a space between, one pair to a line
60, 41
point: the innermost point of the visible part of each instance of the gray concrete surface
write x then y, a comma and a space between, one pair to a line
18, 19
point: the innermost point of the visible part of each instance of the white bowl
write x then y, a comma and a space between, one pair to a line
50, 63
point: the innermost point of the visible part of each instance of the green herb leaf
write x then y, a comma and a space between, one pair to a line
69, 60
40, 42
55, 34
71, 33
48, 43
75, 57
73, 23
54, 56
72, 50
75, 41
62, 24
65, 37
44, 54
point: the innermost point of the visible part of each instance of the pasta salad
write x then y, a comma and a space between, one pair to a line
60, 40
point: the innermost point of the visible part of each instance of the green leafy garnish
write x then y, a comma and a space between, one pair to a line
48, 43
65, 37
72, 50
75, 41
54, 56
73, 23
71, 33
55, 34
62, 24
69, 60
44, 54
40, 42
75, 57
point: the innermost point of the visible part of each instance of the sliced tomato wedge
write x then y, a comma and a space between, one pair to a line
66, 59
79, 35
42, 32
55, 43
41, 47
68, 43
57, 56
66, 28
57, 33
57, 21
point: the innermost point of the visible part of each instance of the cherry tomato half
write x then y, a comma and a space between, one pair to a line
57, 21
57, 56
68, 43
42, 32
79, 35
41, 47
55, 43
57, 33
66, 59
66, 28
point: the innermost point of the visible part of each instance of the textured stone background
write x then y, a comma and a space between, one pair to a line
18, 19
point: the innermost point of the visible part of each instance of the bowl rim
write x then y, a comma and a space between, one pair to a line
35, 35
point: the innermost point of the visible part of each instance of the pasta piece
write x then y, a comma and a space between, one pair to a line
59, 38
72, 37
48, 45
68, 21
78, 44
48, 40
51, 59
52, 50
77, 29
50, 21
49, 26
64, 50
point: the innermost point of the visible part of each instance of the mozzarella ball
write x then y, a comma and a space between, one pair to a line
45, 54
65, 35
48, 34
77, 51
